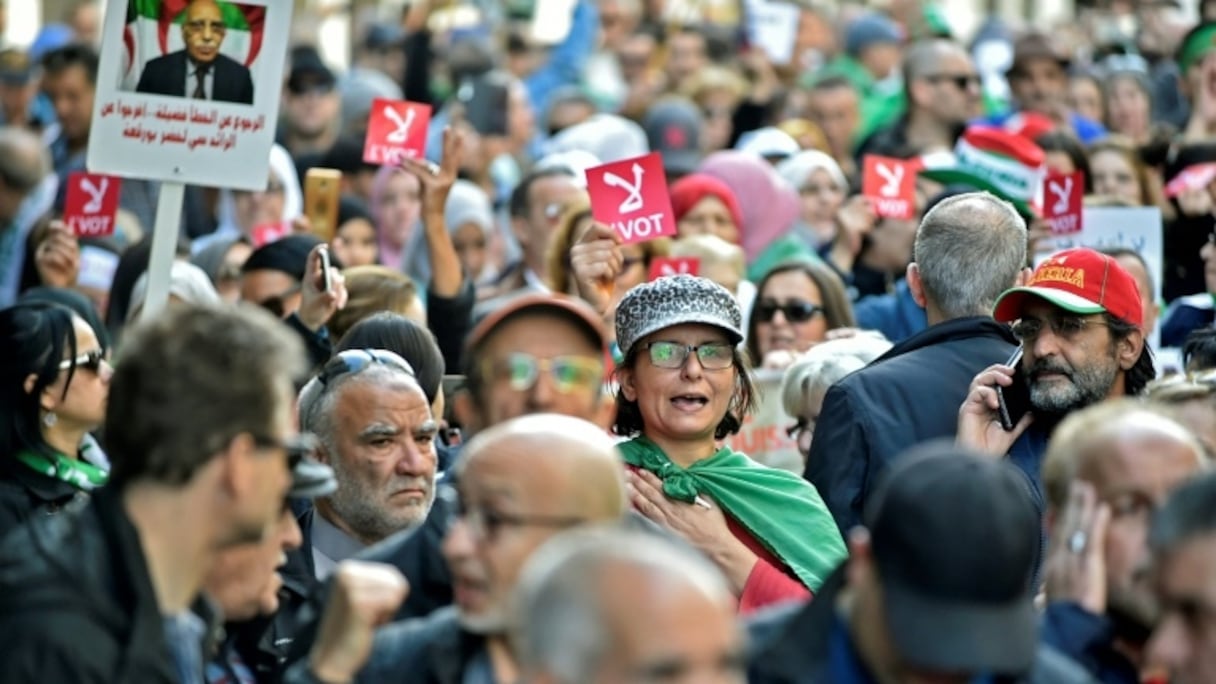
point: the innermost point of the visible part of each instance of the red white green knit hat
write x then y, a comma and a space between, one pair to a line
1006, 164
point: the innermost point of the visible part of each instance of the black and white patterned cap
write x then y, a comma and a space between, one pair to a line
675, 300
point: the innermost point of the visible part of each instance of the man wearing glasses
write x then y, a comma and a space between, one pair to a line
200, 71
199, 425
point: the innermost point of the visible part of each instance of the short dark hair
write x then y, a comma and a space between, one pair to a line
1190, 512
836, 307
521, 196
189, 381
398, 334
76, 54
1142, 372
33, 339
628, 422
1199, 349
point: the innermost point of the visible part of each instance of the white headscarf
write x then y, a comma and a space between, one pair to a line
798, 168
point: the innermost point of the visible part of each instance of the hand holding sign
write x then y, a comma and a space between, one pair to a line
91, 203
57, 257
1063, 195
891, 185
631, 196
595, 262
396, 130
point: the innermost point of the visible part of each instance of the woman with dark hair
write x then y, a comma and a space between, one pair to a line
1065, 154
683, 387
53, 387
797, 303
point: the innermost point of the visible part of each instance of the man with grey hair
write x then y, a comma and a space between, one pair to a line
602, 605
25, 164
969, 248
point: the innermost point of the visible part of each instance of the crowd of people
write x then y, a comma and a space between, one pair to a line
474, 436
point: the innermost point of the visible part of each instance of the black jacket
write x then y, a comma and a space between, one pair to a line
166, 75
26, 494
791, 645
77, 603
907, 396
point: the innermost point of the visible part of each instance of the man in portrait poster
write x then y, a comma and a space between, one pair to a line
199, 71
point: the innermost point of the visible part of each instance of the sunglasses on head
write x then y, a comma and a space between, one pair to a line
359, 360
90, 360
794, 312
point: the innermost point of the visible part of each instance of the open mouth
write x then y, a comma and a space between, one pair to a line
690, 402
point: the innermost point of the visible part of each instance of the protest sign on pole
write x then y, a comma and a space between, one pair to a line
187, 92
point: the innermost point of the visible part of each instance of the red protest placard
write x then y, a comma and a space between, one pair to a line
1063, 195
91, 203
631, 197
396, 130
891, 186
266, 233
669, 266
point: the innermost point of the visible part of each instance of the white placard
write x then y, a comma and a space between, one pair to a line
146, 122
763, 436
772, 25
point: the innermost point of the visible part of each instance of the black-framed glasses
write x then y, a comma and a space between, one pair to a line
1065, 327
298, 447
358, 360
277, 304
796, 311
569, 373
485, 524
672, 355
960, 81
90, 360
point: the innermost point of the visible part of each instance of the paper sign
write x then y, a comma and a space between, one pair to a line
669, 266
891, 186
773, 27
1191, 178
631, 196
91, 203
266, 233
763, 435
396, 130
1063, 195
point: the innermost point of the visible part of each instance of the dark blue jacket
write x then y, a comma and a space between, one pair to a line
897, 316
1087, 639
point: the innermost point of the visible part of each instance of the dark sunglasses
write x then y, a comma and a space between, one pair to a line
358, 360
277, 304
794, 312
90, 360
960, 81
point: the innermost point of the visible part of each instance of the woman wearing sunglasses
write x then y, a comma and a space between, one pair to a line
797, 303
53, 389
684, 387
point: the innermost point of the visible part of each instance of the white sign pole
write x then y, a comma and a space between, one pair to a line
164, 247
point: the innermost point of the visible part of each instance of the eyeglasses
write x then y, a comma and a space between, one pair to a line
960, 81
801, 432
711, 355
90, 360
1064, 327
358, 360
794, 312
199, 25
569, 373
486, 524
298, 447
277, 304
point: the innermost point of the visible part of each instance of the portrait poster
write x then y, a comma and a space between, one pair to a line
188, 90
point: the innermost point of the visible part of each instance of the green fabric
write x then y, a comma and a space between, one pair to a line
1197, 45
781, 510
785, 248
149, 9
75, 472
936, 22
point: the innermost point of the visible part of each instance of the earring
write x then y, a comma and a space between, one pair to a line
49, 419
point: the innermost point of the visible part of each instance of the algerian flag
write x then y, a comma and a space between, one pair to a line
154, 29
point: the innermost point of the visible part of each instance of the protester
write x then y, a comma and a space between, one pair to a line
684, 386
969, 249
373, 289
56, 378
601, 606
25, 162
199, 424
704, 205
222, 262
188, 284
822, 187
1038, 80
1188, 399
1107, 469
797, 304
719, 261
520, 483
355, 242
1116, 171
909, 610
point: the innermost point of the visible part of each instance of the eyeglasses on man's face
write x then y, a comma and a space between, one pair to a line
569, 373
1065, 327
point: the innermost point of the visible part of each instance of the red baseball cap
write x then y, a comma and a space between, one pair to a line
1078, 280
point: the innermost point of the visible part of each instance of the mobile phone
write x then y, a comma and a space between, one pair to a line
484, 99
325, 279
1014, 400
322, 189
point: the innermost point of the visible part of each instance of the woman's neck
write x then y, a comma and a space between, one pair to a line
684, 453
64, 439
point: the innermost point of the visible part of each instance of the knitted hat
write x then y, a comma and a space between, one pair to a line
1078, 280
676, 300
1007, 165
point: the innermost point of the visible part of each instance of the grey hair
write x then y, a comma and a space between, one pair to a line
1190, 512
826, 363
969, 249
317, 400
24, 160
558, 625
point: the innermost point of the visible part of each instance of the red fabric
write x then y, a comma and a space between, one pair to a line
686, 192
770, 582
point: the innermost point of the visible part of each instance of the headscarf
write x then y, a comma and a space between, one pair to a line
284, 170
607, 136
797, 169
691, 189
770, 207
187, 282
389, 255
467, 203
211, 257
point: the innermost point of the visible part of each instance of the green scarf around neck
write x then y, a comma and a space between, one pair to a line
781, 510
76, 472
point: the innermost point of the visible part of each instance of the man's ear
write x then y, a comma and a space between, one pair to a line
1129, 348
1023, 277
915, 286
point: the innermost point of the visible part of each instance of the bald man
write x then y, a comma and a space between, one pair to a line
200, 71
601, 606
520, 483
1107, 470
